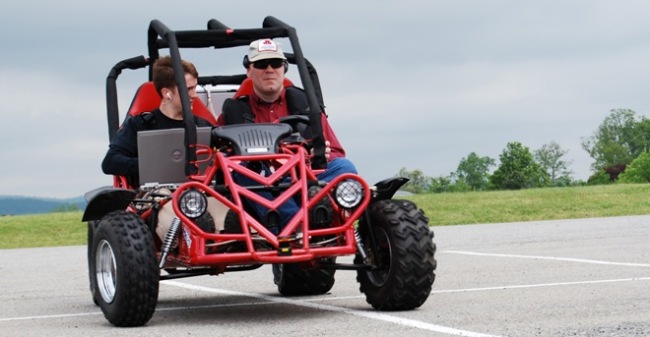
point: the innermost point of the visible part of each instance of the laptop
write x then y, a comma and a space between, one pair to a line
161, 155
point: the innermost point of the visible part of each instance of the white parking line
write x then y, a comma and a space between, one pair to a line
49, 316
367, 314
555, 284
548, 258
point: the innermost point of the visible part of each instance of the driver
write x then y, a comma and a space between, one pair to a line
266, 66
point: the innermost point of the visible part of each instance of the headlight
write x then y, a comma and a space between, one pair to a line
193, 203
349, 194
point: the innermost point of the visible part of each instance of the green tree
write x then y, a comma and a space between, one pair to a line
474, 171
418, 182
599, 178
620, 138
441, 185
518, 169
638, 171
549, 157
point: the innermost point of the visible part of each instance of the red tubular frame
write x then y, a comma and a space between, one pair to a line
292, 162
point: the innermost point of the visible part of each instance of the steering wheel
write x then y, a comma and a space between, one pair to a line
298, 122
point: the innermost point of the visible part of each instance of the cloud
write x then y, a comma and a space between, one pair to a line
52, 141
417, 84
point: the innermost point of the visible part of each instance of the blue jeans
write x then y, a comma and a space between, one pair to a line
335, 168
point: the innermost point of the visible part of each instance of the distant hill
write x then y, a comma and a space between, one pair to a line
15, 205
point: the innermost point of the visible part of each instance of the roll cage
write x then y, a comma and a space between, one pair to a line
218, 36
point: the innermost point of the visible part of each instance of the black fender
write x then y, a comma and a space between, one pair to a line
106, 199
386, 188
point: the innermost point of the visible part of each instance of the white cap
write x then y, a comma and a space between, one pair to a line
264, 49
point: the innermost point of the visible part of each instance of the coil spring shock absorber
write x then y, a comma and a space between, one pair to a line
169, 239
360, 247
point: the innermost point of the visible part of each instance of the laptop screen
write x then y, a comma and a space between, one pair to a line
161, 154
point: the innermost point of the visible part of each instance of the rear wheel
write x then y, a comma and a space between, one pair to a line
404, 253
125, 273
296, 279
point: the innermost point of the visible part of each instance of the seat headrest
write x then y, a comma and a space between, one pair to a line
147, 99
246, 87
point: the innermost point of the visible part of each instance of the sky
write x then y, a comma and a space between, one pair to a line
415, 84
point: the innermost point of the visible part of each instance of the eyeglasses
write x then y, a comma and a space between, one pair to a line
263, 64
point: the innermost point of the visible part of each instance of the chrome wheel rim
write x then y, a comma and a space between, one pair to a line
105, 271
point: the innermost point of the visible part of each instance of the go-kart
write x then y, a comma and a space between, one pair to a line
390, 240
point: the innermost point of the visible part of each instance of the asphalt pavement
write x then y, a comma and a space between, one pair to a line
587, 277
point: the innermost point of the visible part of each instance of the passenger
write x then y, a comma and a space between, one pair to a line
122, 156
266, 66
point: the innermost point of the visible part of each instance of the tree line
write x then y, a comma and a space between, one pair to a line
620, 148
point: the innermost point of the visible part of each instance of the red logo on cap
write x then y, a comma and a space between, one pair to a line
267, 45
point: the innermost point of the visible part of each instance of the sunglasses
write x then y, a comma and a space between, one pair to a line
263, 64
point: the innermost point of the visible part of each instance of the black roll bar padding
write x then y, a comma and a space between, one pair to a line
112, 109
318, 141
313, 75
152, 37
179, 75
214, 24
218, 38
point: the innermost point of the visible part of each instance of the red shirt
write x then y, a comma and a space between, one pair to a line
266, 112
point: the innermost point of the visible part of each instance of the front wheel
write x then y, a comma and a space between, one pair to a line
403, 255
125, 271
